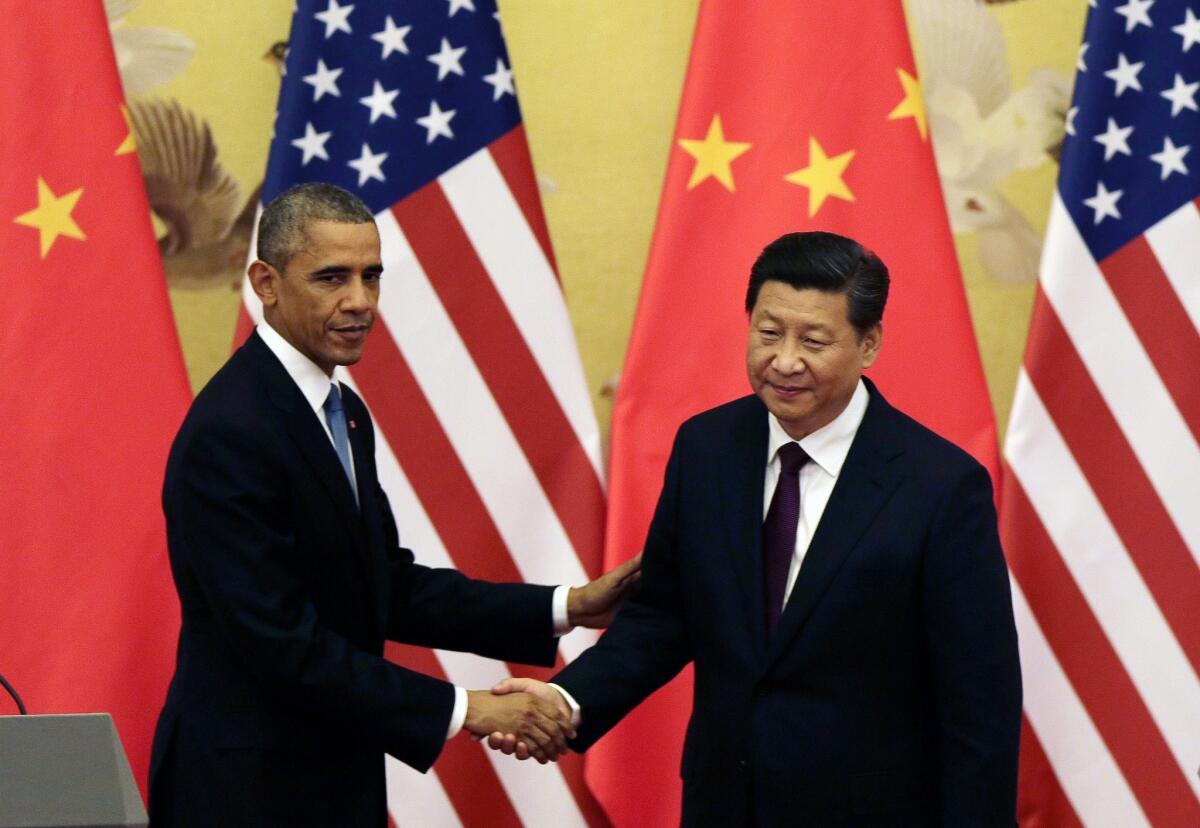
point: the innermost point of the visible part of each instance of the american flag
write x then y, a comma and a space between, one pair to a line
487, 440
1101, 498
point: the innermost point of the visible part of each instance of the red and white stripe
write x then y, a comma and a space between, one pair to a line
487, 444
1101, 522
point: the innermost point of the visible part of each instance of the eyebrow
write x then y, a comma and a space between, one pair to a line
810, 326
333, 270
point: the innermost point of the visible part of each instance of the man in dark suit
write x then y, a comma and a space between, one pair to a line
833, 570
290, 574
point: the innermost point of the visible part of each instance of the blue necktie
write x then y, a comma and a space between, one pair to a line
336, 415
779, 531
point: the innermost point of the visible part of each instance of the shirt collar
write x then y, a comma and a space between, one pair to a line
829, 444
308, 376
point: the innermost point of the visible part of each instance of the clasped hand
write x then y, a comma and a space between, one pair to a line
530, 719
512, 744
539, 726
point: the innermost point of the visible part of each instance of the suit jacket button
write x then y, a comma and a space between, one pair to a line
743, 766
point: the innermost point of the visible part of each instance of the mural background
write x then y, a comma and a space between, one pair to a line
599, 85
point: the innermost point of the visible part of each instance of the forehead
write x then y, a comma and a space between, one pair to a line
809, 306
335, 242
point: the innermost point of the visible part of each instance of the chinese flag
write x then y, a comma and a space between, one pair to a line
93, 385
795, 116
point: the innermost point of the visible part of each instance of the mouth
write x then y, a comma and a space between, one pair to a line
787, 392
352, 334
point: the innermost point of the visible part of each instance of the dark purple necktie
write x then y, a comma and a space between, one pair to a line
779, 531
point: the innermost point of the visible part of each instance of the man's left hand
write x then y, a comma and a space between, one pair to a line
596, 604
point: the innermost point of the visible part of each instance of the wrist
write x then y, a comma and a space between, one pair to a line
473, 714
573, 600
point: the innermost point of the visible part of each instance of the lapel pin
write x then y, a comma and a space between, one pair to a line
352, 425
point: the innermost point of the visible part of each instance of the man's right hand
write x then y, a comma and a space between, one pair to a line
512, 744
540, 725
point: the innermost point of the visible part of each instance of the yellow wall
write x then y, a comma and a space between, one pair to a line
599, 84
1040, 34
232, 86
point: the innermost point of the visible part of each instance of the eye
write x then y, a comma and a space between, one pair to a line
768, 333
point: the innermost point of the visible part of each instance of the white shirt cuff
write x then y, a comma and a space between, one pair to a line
459, 714
562, 621
576, 713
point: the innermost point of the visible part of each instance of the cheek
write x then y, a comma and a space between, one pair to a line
758, 357
755, 369
324, 313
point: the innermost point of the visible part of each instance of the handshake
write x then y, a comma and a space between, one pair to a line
529, 718
522, 717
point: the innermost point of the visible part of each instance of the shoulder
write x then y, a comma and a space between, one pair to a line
234, 406
732, 417
927, 455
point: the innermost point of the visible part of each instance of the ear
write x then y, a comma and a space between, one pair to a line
263, 278
870, 344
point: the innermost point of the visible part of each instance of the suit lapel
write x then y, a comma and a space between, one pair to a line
868, 478
320, 454
305, 429
374, 559
741, 474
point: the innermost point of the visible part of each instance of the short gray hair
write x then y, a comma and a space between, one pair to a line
282, 225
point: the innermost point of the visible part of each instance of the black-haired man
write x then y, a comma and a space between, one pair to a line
833, 570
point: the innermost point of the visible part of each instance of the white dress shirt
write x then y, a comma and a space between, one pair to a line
309, 378
827, 448
314, 385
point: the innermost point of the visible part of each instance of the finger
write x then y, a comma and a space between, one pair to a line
559, 733
543, 736
513, 685
540, 740
543, 758
555, 721
631, 567
560, 714
524, 752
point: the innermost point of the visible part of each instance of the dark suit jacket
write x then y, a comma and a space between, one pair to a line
282, 706
890, 692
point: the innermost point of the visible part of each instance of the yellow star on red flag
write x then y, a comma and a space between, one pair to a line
52, 217
913, 105
130, 143
822, 176
714, 155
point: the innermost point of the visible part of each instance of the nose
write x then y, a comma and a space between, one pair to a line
358, 297
788, 359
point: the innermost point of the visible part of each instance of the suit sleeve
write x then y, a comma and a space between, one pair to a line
972, 644
444, 609
231, 547
648, 642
